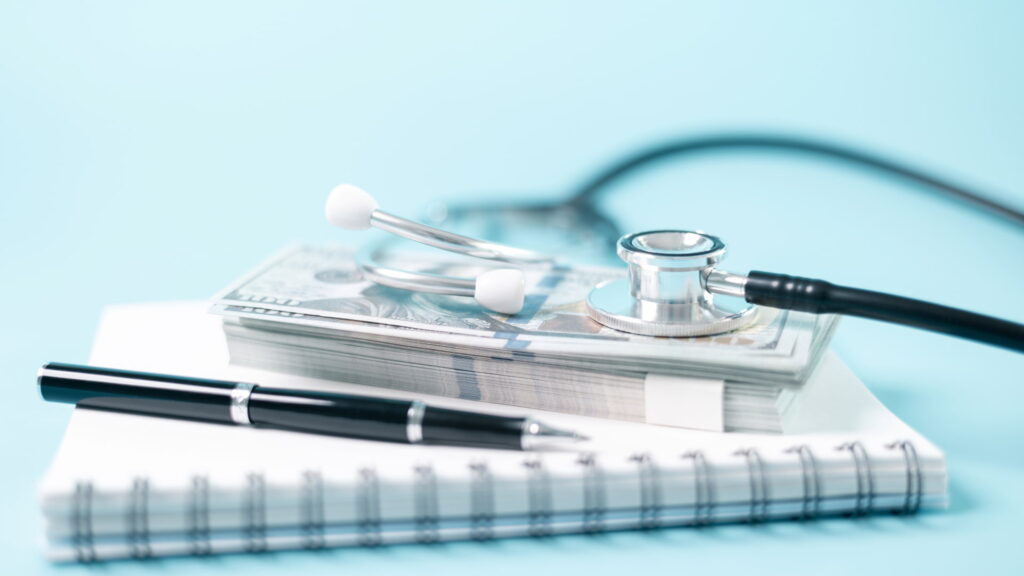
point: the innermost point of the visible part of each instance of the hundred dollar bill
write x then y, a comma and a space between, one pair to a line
320, 290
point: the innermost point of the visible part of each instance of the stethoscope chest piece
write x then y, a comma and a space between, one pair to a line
665, 293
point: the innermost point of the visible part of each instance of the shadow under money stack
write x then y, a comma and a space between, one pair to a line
308, 311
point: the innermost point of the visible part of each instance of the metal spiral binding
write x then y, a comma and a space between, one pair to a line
368, 507
915, 477
758, 484
199, 516
481, 502
313, 509
650, 491
81, 522
704, 497
256, 512
539, 494
811, 481
865, 478
426, 504
593, 494
138, 519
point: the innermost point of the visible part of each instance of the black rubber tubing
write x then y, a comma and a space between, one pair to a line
685, 147
821, 297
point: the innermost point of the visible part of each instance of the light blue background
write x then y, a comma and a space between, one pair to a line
155, 151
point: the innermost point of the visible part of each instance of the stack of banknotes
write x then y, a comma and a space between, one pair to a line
309, 311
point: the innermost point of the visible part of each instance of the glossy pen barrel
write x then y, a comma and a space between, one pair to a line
137, 392
458, 428
329, 413
246, 404
380, 419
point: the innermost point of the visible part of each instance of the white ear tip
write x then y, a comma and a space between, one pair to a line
350, 207
501, 290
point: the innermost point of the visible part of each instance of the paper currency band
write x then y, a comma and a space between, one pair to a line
240, 403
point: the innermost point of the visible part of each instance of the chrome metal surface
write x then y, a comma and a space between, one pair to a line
240, 403
611, 304
455, 242
666, 265
418, 281
414, 422
725, 283
671, 250
667, 293
536, 434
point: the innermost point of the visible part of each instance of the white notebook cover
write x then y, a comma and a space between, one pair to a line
124, 485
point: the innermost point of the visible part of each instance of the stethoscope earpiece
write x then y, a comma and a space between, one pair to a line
350, 207
502, 290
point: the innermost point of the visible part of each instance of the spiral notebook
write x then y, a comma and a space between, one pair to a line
132, 486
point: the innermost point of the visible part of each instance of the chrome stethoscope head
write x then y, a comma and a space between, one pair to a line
666, 293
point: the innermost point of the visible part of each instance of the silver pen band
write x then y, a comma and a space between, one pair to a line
240, 403
414, 422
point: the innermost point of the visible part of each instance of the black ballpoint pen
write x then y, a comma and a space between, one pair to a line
248, 404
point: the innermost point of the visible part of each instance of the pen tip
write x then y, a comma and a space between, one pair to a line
537, 434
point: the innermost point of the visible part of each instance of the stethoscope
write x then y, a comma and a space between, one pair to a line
673, 287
